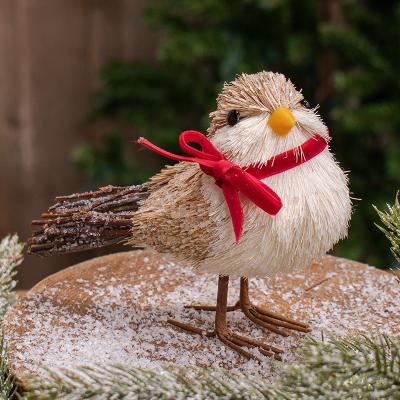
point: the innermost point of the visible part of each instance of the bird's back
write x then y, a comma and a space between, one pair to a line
167, 213
175, 217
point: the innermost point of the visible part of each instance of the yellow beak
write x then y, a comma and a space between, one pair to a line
281, 121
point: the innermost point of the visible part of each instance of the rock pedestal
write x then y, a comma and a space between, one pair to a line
113, 310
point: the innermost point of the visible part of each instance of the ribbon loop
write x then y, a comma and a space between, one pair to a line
208, 151
233, 179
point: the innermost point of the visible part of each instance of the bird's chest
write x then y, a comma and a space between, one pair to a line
304, 192
304, 203
315, 212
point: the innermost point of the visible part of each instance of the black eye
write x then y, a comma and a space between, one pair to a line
305, 104
233, 117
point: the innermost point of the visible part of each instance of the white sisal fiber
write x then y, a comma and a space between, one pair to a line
316, 203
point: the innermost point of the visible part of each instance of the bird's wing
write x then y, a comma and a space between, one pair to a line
175, 216
170, 201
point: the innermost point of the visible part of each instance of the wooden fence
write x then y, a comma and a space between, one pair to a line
50, 55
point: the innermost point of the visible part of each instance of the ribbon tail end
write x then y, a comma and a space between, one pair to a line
238, 236
235, 209
238, 227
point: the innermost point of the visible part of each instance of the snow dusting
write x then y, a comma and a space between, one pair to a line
114, 310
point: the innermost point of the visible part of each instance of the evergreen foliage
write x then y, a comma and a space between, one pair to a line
358, 368
343, 53
10, 258
391, 225
123, 382
7, 381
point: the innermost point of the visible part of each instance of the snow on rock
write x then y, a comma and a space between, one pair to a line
113, 309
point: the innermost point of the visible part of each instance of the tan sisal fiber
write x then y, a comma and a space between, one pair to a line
186, 214
252, 95
174, 219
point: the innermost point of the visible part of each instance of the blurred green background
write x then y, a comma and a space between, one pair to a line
344, 55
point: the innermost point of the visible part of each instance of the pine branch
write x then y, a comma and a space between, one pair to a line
122, 382
357, 368
7, 381
10, 257
391, 228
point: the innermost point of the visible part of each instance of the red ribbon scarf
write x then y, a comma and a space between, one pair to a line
232, 178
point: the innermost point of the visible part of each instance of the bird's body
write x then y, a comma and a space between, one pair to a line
314, 217
187, 215
183, 212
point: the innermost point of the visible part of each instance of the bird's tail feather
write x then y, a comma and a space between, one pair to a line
87, 220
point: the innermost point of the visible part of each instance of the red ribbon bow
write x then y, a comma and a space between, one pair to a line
233, 179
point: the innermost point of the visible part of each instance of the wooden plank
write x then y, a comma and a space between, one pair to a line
50, 54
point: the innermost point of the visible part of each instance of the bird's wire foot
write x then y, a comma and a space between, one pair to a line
233, 340
259, 315
272, 321
289, 323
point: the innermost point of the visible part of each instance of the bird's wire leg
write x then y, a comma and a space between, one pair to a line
265, 318
221, 328
221, 331
258, 315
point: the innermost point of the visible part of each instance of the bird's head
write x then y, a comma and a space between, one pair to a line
261, 115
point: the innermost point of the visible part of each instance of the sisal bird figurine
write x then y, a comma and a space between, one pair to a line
261, 194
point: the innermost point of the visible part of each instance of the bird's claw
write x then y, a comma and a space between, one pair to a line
234, 341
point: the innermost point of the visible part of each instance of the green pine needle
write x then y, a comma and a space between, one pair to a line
10, 257
7, 381
391, 225
123, 382
358, 368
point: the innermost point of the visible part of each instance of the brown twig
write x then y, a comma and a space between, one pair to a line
87, 220
317, 284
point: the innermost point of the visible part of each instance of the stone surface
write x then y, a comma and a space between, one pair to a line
113, 309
